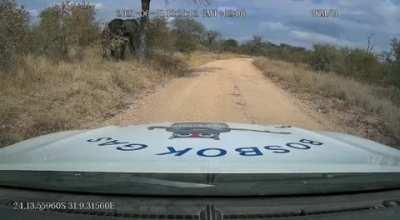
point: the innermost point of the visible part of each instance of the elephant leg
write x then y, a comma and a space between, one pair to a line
115, 54
122, 52
106, 52
131, 47
112, 52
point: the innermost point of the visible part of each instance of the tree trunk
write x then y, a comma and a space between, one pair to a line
142, 50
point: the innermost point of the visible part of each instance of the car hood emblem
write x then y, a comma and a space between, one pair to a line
203, 130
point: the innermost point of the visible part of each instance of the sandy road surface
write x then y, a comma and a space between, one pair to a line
226, 90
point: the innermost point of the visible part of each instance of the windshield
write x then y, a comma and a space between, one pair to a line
202, 97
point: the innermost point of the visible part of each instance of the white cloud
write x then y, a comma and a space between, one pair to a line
33, 12
274, 26
312, 38
99, 5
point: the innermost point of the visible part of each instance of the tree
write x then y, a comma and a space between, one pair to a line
144, 17
188, 34
230, 45
64, 29
361, 64
159, 36
324, 57
145, 5
14, 34
50, 34
370, 45
394, 62
395, 44
82, 26
212, 37
256, 46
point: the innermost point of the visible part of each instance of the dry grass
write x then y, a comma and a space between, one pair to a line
199, 58
43, 97
377, 101
170, 64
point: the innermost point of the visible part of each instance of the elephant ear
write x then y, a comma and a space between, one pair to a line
116, 26
131, 25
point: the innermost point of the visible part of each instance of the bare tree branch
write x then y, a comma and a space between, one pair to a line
370, 46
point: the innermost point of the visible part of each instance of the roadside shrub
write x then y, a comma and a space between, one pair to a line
169, 64
64, 30
159, 36
189, 33
374, 99
230, 45
256, 46
325, 58
355, 63
48, 97
259, 47
392, 71
14, 34
361, 64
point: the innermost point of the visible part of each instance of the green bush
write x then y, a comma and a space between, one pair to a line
159, 36
259, 47
14, 34
63, 31
325, 58
288, 53
256, 46
363, 65
189, 34
392, 73
230, 45
355, 63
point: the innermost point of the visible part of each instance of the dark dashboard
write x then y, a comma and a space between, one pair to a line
33, 204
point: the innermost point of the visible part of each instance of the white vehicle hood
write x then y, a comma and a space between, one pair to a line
139, 149
198, 148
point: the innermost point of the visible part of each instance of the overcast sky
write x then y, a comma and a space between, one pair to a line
279, 21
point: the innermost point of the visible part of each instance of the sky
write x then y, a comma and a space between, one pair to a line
278, 21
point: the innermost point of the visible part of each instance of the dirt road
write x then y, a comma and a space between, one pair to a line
231, 90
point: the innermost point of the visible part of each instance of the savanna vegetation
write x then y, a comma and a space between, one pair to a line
361, 64
367, 110
53, 76
353, 78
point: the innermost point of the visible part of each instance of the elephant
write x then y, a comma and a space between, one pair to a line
122, 34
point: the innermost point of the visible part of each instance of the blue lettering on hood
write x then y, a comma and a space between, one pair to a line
246, 151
